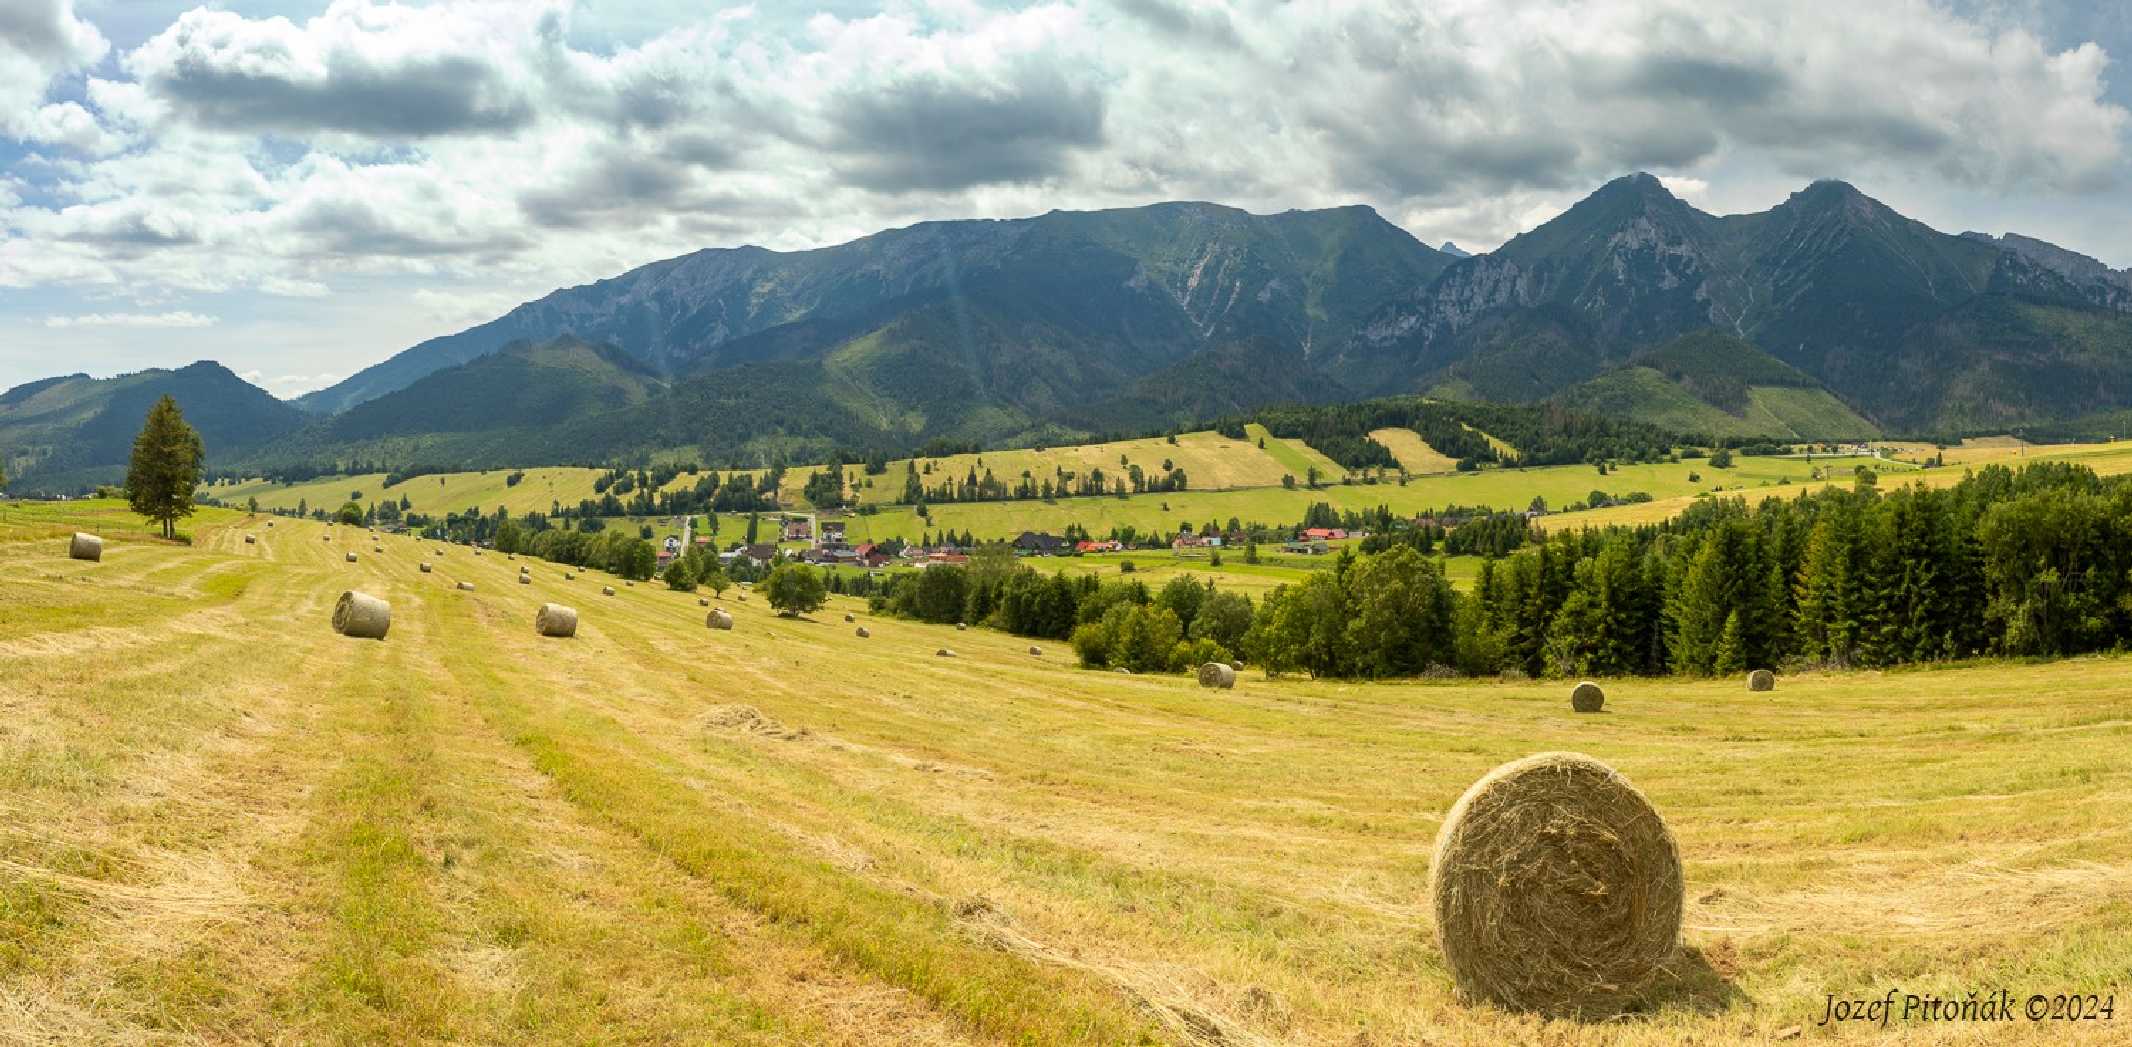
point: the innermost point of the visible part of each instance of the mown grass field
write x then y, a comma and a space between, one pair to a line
226, 824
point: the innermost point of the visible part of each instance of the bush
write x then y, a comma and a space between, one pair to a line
1191, 654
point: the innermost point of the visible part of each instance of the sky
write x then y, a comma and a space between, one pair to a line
301, 188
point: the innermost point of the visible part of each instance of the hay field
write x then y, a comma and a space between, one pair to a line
435, 494
225, 823
1413, 453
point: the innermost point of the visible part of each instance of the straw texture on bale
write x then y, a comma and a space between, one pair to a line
425, 566
361, 615
1587, 697
606, 590
351, 557
943, 653
1761, 680
1557, 889
1035, 651
850, 618
466, 586
1215, 674
85, 547
718, 620
862, 633
525, 579
553, 619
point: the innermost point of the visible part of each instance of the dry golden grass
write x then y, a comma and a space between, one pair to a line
1414, 454
224, 823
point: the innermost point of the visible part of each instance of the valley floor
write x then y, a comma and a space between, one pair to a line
225, 823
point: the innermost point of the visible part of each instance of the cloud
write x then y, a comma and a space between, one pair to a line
173, 319
40, 40
383, 70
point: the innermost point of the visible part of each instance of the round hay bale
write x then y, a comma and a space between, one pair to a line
85, 547
960, 626
270, 523
466, 587
1035, 651
632, 585
1587, 697
510, 556
377, 548
569, 575
703, 601
251, 539
361, 615
606, 590
351, 557
743, 597
862, 633
1217, 675
718, 620
553, 619
525, 579
1237, 665
1761, 680
425, 567
1123, 671
943, 653
1557, 888
325, 538
849, 619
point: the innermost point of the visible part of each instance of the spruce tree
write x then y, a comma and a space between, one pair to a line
165, 468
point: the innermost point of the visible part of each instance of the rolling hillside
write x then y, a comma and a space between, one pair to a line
1715, 384
64, 434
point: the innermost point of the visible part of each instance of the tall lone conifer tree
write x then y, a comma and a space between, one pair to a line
165, 469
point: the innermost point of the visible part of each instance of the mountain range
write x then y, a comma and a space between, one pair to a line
1827, 315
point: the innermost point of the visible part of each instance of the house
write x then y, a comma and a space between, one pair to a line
797, 529
1188, 541
1306, 548
759, 555
939, 557
870, 556
1034, 543
832, 532
1324, 534
1108, 546
672, 544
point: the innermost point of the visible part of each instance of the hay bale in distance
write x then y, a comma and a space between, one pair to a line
718, 619
85, 547
425, 567
632, 585
848, 619
862, 633
351, 557
943, 653
606, 590
703, 601
1237, 665
466, 587
1587, 697
361, 615
525, 579
1761, 680
1035, 651
251, 539
1557, 888
553, 619
1217, 675
960, 626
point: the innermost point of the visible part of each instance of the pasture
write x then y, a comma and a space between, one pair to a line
226, 823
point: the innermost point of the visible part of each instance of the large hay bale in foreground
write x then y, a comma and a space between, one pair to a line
361, 615
425, 567
1556, 887
85, 547
719, 618
1216, 674
606, 590
553, 619
1761, 680
351, 557
1587, 697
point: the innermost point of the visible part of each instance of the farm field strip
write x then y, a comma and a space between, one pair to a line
246, 827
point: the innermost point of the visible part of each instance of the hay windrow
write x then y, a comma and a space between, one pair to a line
1557, 889
1761, 680
1587, 697
553, 619
1217, 675
361, 615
